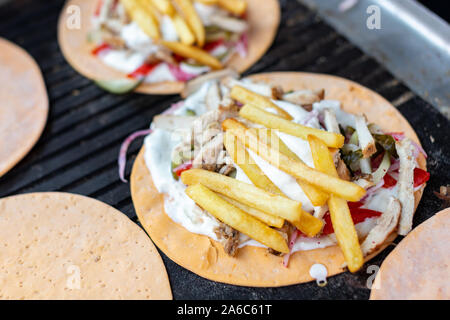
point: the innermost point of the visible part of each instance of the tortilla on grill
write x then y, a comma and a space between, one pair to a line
23, 107
419, 266
254, 266
67, 246
263, 18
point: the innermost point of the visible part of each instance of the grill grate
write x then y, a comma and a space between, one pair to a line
79, 147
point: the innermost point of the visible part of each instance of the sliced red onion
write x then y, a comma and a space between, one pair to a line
122, 161
394, 166
179, 74
294, 237
372, 190
419, 149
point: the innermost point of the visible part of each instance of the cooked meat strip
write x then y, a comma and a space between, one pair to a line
406, 184
213, 97
228, 23
229, 238
341, 167
305, 98
195, 84
209, 153
384, 227
366, 141
330, 120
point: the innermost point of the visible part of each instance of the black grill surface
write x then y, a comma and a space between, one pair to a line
78, 150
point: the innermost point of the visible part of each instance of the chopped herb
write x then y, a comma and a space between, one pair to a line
351, 158
387, 143
191, 112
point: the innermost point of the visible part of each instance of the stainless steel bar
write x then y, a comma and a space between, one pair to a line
412, 42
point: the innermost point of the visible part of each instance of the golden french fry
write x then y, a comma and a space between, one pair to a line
236, 218
148, 7
183, 31
344, 189
193, 53
243, 159
237, 7
272, 121
308, 224
268, 219
246, 96
341, 218
245, 193
193, 20
315, 195
164, 6
144, 18
208, 2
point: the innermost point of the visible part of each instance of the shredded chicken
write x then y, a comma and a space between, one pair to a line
341, 167
229, 23
364, 183
305, 98
405, 151
195, 84
366, 141
330, 121
209, 154
386, 224
213, 97
229, 237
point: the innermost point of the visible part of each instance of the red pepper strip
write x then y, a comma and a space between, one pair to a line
98, 8
358, 216
178, 58
100, 48
183, 167
210, 46
389, 181
142, 71
355, 204
420, 177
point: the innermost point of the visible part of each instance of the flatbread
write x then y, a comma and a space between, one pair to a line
263, 17
255, 266
66, 246
419, 267
23, 107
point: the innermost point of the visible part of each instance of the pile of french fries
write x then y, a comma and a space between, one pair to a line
257, 209
189, 27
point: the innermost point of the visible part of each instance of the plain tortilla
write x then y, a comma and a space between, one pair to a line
255, 266
419, 267
23, 107
51, 242
263, 17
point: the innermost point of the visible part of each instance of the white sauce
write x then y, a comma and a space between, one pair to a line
160, 73
178, 206
319, 272
181, 209
168, 30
